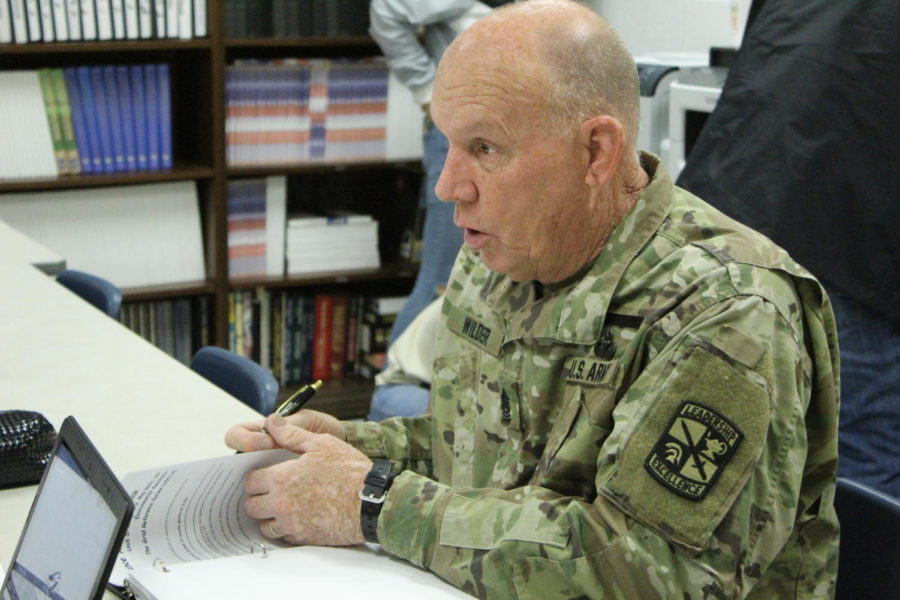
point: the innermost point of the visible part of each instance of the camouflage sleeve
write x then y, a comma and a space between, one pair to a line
641, 536
405, 440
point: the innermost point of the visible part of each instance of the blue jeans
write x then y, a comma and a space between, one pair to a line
441, 239
398, 400
869, 442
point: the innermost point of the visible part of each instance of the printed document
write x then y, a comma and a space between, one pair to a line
191, 538
192, 511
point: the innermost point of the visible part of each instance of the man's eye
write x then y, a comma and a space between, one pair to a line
484, 148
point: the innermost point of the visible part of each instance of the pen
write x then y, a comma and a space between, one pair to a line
301, 397
296, 402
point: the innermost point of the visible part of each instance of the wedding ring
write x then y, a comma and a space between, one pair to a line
272, 530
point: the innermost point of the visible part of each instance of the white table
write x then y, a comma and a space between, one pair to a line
141, 408
60, 356
17, 248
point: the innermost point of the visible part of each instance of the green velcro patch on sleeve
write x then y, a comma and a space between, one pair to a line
691, 453
740, 347
485, 522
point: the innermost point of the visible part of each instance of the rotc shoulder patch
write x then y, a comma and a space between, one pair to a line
693, 450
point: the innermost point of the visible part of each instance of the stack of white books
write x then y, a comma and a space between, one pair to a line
332, 241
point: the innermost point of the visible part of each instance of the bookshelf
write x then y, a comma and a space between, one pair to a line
386, 189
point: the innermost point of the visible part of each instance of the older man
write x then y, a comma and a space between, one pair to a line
633, 395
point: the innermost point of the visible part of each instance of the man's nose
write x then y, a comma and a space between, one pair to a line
455, 183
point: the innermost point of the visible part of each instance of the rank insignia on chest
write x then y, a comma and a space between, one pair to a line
693, 450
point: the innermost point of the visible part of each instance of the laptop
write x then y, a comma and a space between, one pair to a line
75, 527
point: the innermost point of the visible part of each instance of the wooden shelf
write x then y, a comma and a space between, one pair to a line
179, 173
386, 189
158, 292
311, 168
388, 271
105, 46
304, 42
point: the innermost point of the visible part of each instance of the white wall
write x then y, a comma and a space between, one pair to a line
671, 25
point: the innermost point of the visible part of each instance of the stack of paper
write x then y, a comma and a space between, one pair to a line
402, 141
131, 235
331, 242
191, 538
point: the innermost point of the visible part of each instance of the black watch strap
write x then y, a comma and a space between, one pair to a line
378, 482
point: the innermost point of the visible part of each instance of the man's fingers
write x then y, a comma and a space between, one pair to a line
290, 437
248, 437
259, 507
256, 482
318, 422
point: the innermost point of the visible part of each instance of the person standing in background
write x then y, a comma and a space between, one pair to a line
802, 146
395, 26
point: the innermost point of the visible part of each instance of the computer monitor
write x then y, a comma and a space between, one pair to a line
692, 99
694, 95
76, 524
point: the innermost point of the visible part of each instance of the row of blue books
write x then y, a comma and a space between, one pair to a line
122, 117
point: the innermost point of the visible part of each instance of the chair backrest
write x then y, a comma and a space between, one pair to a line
99, 292
239, 376
869, 564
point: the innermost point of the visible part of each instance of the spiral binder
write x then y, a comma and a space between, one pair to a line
134, 590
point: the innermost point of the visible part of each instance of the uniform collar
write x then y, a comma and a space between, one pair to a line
570, 314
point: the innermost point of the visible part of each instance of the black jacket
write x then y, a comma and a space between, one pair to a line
804, 144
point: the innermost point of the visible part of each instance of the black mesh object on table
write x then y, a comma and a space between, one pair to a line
26, 440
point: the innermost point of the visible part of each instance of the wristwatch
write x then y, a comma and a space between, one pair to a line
378, 482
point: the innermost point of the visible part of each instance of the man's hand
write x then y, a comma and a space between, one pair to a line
312, 499
248, 437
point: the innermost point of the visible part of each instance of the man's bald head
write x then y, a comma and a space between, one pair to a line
564, 53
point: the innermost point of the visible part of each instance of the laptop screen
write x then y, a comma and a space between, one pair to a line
74, 528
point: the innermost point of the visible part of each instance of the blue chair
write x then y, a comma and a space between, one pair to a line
870, 542
97, 291
239, 376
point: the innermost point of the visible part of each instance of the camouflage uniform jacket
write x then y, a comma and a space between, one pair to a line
662, 427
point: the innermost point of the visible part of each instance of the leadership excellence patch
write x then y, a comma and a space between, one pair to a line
693, 451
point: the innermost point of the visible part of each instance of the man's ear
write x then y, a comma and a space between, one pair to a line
604, 139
